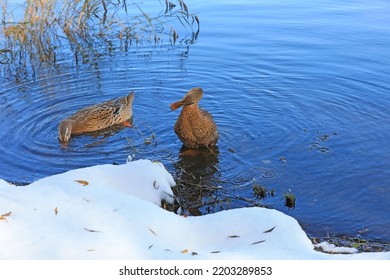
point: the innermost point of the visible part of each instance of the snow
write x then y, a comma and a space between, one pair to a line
331, 248
114, 212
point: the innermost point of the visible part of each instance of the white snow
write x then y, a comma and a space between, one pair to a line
331, 248
113, 212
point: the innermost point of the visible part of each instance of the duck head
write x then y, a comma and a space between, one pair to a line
192, 97
65, 130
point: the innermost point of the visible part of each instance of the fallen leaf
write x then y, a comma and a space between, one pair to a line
152, 231
271, 229
215, 252
150, 246
184, 251
257, 242
56, 210
84, 183
194, 253
91, 230
233, 236
2, 217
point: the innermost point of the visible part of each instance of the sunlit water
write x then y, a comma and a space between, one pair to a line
299, 90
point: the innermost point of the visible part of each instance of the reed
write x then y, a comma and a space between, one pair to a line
48, 28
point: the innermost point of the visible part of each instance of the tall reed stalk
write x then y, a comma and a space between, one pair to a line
49, 28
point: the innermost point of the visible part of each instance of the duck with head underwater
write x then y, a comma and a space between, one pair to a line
96, 117
195, 127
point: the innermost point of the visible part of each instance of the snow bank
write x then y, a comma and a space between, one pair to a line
112, 212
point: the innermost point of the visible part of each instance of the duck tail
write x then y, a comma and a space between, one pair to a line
130, 96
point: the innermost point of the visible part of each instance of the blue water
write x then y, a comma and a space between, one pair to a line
299, 89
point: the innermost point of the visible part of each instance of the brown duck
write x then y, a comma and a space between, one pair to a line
194, 127
98, 116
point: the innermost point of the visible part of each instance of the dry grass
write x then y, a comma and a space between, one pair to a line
47, 28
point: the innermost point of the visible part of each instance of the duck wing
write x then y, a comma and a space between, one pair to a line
204, 127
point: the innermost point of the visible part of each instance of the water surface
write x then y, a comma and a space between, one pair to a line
298, 89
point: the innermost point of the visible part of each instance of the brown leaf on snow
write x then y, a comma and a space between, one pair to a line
2, 217
271, 229
184, 251
56, 211
91, 230
84, 183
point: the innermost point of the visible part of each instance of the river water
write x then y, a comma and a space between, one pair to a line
299, 90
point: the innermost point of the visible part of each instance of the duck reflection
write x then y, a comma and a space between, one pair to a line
197, 177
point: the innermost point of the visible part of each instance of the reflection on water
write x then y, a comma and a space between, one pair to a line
197, 176
299, 91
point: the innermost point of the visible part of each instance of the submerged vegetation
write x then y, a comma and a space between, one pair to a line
260, 192
289, 200
43, 31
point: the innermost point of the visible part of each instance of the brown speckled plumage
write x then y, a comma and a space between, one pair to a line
96, 117
194, 127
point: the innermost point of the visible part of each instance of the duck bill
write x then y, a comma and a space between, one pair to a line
176, 105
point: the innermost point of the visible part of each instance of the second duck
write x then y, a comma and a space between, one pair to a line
96, 117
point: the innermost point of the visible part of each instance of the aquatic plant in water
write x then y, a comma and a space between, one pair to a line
39, 31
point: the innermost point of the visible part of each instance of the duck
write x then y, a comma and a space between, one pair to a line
97, 117
195, 127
